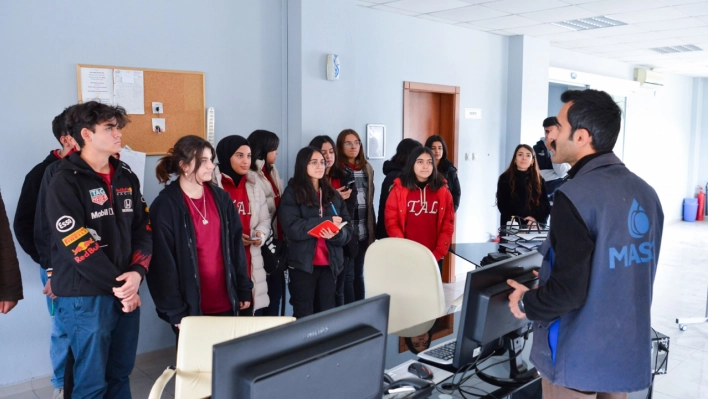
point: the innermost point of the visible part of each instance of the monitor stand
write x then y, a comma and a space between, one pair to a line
519, 373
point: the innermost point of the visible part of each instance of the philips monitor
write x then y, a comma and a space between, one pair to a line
485, 316
338, 353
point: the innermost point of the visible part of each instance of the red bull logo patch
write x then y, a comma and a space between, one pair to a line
88, 247
83, 246
98, 196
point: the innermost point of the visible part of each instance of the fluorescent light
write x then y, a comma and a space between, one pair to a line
589, 23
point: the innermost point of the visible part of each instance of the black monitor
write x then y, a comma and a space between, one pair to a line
485, 319
338, 353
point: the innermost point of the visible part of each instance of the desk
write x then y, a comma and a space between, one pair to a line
474, 252
474, 385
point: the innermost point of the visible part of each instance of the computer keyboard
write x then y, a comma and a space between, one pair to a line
443, 353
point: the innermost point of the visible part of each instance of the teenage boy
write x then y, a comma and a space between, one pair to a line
25, 225
24, 216
101, 249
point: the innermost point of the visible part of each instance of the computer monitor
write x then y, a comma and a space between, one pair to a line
485, 317
338, 353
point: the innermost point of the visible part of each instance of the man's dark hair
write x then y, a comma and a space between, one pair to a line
596, 112
90, 114
550, 121
59, 125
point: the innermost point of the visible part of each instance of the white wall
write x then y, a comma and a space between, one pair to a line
658, 128
391, 49
239, 45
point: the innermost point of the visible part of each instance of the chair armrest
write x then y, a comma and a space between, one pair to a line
161, 382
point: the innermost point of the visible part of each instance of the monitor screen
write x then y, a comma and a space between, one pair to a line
485, 315
338, 353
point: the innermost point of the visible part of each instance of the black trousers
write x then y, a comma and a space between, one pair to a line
276, 287
354, 289
311, 292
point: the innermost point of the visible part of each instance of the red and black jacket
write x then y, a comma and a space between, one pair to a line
98, 232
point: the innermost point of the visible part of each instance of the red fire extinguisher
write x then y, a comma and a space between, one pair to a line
701, 203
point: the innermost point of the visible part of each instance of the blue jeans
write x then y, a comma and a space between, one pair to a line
59, 341
104, 341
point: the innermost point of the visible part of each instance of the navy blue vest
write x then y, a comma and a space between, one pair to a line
604, 346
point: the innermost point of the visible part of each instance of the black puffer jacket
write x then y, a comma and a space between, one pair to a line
392, 171
449, 172
174, 275
296, 220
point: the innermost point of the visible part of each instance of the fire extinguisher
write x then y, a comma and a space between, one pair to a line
701, 203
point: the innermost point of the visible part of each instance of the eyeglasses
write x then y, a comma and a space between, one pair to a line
316, 162
350, 144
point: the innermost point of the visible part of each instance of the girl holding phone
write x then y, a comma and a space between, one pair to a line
234, 175
350, 155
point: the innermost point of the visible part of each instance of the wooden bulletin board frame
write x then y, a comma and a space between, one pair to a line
183, 96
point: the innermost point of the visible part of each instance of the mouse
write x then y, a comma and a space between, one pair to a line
420, 371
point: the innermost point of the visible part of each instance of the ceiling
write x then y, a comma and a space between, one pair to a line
649, 24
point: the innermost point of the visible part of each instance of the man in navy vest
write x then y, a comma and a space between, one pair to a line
591, 311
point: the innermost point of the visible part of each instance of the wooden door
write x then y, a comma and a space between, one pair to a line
430, 109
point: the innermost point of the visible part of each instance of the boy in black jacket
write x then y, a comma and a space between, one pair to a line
25, 225
101, 249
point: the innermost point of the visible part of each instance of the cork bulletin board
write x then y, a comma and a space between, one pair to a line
183, 97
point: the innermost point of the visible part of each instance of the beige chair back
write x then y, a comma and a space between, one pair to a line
408, 272
198, 335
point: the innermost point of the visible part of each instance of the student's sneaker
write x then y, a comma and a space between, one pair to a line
58, 394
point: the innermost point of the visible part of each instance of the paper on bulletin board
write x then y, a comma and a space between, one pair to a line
97, 85
136, 161
129, 90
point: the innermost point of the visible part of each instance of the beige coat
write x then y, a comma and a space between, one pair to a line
260, 221
264, 184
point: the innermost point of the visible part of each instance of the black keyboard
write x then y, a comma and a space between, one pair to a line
444, 352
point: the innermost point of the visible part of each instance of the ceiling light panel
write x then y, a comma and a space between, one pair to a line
686, 48
590, 23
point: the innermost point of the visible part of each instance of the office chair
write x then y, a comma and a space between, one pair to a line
198, 335
408, 272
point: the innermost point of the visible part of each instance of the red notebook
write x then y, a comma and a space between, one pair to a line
327, 224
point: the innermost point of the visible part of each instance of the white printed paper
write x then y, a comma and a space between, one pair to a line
129, 90
136, 161
97, 85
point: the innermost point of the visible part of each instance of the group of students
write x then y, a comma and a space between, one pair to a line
82, 217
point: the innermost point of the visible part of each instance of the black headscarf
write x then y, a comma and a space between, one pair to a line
224, 150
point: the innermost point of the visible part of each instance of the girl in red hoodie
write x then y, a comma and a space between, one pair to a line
420, 206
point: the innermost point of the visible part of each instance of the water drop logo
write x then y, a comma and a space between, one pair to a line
637, 221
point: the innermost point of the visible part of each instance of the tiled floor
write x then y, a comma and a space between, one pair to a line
679, 291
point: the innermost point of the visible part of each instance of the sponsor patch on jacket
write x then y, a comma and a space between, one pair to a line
101, 213
124, 191
128, 205
71, 238
88, 247
64, 224
83, 246
98, 196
